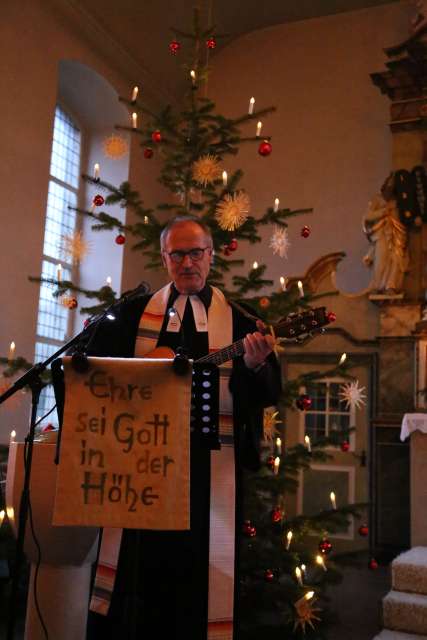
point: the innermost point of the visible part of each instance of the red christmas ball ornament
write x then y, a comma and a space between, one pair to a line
305, 231
363, 530
211, 42
331, 316
345, 446
264, 303
72, 304
174, 47
148, 153
248, 529
98, 201
268, 575
276, 515
373, 564
265, 148
325, 546
48, 427
156, 136
304, 402
232, 245
270, 462
120, 239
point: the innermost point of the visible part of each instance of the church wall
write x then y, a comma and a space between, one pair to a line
35, 35
331, 141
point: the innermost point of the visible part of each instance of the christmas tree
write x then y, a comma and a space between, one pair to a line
283, 573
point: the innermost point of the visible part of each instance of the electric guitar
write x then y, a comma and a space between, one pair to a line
296, 327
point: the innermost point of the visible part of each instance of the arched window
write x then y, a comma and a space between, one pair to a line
53, 318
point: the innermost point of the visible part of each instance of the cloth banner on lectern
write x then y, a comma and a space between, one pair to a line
125, 446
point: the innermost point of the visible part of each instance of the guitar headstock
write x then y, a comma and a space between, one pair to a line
298, 326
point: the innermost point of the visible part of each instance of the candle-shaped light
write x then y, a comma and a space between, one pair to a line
304, 570
224, 178
96, 171
134, 120
145, 219
109, 281
288, 539
258, 128
134, 94
59, 272
2, 515
193, 76
276, 465
10, 513
283, 281
300, 289
342, 359
276, 204
321, 562
251, 106
307, 443
333, 500
12, 436
278, 446
255, 265
309, 595
298, 574
12, 350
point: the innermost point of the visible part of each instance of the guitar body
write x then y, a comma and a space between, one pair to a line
161, 353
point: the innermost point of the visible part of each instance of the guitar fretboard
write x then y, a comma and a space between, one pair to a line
225, 354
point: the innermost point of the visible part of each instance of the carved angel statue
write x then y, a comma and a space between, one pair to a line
389, 252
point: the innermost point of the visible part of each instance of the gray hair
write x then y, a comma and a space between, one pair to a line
181, 219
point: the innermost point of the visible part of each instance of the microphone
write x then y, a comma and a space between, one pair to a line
79, 356
180, 362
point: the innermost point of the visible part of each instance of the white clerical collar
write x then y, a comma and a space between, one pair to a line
199, 313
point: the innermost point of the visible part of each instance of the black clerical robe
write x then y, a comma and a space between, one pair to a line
162, 576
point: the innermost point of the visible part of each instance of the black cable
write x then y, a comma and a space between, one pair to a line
45, 415
36, 542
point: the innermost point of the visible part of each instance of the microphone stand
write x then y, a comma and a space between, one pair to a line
181, 361
32, 379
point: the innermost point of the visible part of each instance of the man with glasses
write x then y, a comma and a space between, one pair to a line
183, 584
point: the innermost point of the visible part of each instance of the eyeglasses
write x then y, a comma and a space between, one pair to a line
195, 255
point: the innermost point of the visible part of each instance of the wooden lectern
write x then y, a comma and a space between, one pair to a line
67, 553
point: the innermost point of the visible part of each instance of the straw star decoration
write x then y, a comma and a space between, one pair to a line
206, 169
115, 147
74, 246
279, 242
352, 395
306, 614
269, 423
233, 210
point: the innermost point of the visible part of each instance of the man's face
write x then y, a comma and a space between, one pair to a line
188, 275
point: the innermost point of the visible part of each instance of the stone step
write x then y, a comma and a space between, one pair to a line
409, 571
386, 634
405, 612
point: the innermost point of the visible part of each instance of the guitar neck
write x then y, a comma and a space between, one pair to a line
225, 354
292, 327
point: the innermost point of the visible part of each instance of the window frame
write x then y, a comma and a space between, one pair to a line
351, 413
71, 267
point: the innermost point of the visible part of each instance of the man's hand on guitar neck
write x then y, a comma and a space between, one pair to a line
257, 347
